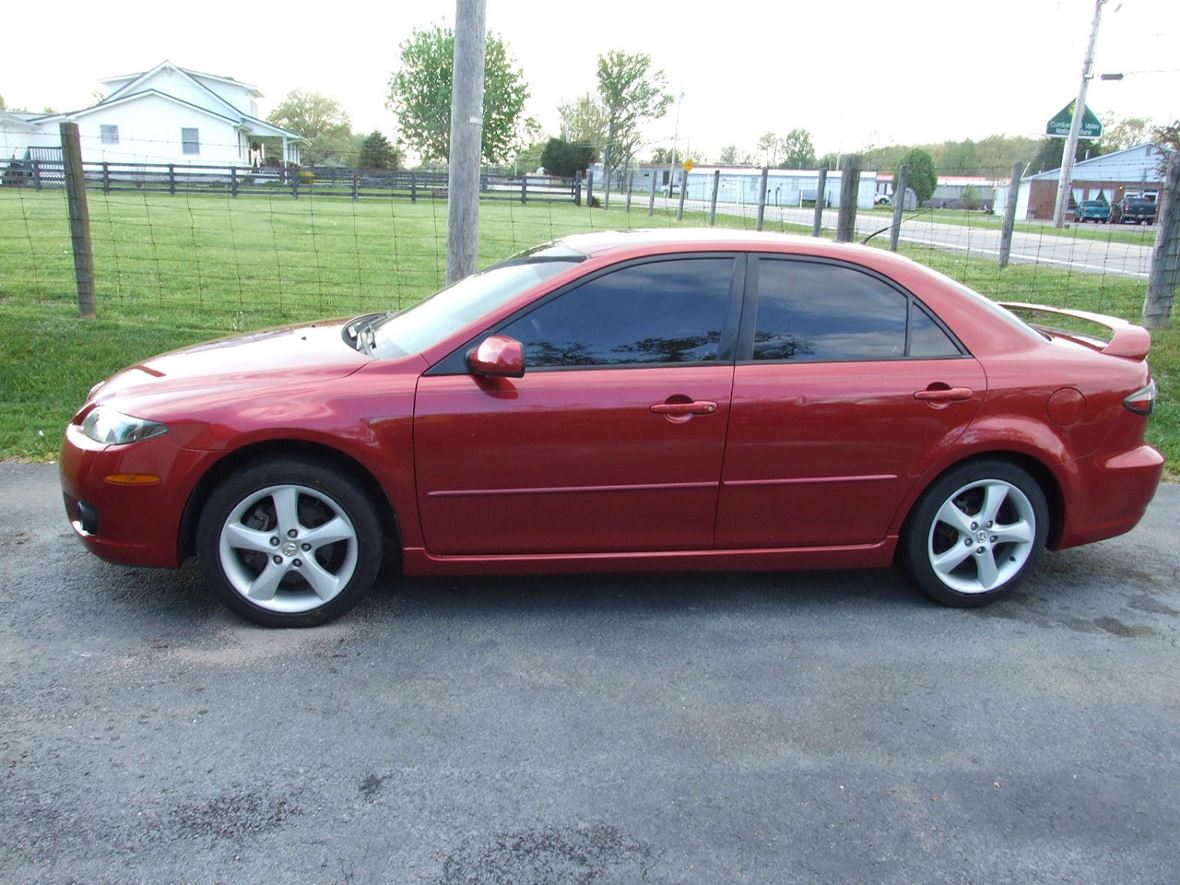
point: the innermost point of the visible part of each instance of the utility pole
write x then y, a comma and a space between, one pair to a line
1075, 128
675, 135
466, 140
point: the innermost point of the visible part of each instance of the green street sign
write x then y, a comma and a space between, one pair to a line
1058, 127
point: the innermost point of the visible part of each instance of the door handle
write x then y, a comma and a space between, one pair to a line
944, 394
695, 407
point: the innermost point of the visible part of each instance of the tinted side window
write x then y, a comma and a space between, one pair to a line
662, 312
926, 338
821, 312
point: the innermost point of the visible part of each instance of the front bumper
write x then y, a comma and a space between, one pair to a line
128, 524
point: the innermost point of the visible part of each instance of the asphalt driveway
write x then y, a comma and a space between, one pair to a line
708, 728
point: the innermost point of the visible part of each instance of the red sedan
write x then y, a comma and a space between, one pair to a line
625, 401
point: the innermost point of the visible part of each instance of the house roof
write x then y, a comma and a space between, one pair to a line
1138, 163
129, 78
236, 120
16, 121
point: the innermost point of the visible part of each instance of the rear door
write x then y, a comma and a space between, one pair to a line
845, 389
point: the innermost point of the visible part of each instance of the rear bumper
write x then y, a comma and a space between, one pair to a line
131, 525
1110, 495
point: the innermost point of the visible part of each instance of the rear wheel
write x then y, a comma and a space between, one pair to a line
289, 543
975, 533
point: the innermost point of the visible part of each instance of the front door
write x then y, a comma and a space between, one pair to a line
614, 438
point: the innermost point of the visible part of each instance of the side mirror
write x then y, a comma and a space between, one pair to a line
497, 356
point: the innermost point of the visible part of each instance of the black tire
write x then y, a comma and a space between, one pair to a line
288, 542
995, 506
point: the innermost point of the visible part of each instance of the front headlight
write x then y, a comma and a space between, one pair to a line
106, 425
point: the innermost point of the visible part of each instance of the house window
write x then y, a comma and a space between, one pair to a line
110, 134
190, 141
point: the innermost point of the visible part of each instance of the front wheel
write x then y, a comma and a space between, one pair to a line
289, 543
975, 533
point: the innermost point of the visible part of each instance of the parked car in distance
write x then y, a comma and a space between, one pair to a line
642, 401
882, 200
1134, 210
1097, 211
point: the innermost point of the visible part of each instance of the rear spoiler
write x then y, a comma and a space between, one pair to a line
1127, 340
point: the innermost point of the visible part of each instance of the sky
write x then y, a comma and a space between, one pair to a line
852, 72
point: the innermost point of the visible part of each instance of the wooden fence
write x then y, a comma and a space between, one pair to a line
293, 182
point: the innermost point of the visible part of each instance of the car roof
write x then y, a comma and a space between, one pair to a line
650, 241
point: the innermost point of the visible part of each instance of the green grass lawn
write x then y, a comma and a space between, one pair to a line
1135, 235
173, 270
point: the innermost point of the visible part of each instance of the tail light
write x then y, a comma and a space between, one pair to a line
1142, 401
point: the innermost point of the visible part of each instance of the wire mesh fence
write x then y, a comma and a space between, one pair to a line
272, 254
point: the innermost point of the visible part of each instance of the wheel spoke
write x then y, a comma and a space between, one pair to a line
334, 530
1014, 533
988, 573
324, 583
954, 517
947, 561
286, 501
242, 538
264, 586
993, 500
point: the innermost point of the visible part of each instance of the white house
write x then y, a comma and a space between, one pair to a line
166, 115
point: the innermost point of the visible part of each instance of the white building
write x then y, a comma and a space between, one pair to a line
1136, 171
168, 115
740, 185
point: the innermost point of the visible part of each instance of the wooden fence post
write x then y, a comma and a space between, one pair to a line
524, 190
651, 200
233, 180
1165, 257
713, 198
356, 186
578, 188
171, 179
762, 197
898, 206
413, 188
630, 188
1010, 214
821, 202
75, 181
849, 188
106, 178
590, 189
683, 193
37, 175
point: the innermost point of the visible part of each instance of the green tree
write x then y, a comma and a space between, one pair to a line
420, 94
798, 152
1050, 150
631, 93
728, 155
584, 121
768, 144
1166, 137
1125, 133
324, 125
566, 158
378, 153
921, 175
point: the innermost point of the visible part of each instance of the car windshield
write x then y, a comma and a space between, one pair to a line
424, 325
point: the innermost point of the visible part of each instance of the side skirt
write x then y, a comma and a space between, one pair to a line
419, 562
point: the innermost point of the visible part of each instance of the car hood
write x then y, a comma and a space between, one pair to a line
288, 355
